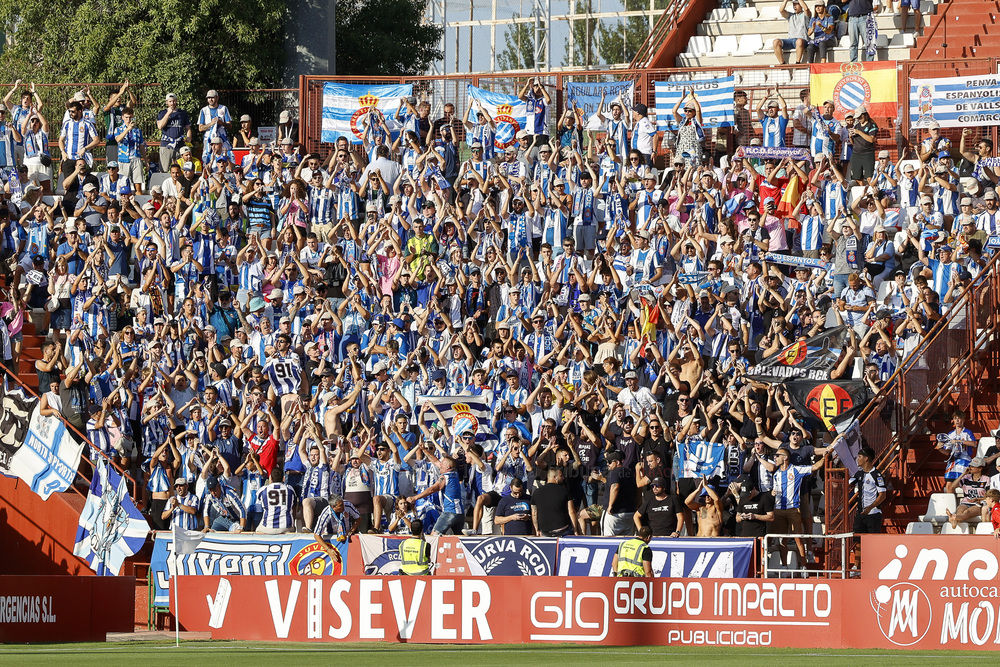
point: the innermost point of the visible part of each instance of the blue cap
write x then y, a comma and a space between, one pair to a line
211, 483
398, 323
944, 154
256, 303
439, 375
769, 200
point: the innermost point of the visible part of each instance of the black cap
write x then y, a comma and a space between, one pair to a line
614, 456
658, 481
747, 483
882, 313
211, 483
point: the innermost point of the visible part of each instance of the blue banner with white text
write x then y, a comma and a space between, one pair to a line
707, 558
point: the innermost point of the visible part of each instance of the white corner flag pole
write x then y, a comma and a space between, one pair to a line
174, 586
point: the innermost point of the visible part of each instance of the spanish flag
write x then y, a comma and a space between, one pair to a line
648, 318
790, 197
850, 85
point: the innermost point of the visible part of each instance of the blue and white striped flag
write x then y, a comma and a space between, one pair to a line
509, 112
700, 458
714, 95
465, 413
346, 108
111, 528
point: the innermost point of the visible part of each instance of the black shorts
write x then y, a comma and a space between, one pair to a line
868, 523
686, 486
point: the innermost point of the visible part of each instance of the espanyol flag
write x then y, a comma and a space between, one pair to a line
509, 112
714, 95
465, 413
346, 109
111, 528
700, 458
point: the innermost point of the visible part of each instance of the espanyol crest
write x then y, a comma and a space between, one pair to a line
852, 90
507, 127
368, 104
463, 420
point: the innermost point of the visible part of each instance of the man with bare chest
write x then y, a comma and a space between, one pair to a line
708, 509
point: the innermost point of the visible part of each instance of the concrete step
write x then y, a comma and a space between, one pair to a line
890, 24
837, 55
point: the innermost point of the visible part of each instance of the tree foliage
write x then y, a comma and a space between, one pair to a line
188, 46
619, 40
519, 46
585, 52
385, 38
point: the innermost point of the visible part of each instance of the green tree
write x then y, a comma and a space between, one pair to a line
618, 45
188, 47
385, 38
519, 49
585, 50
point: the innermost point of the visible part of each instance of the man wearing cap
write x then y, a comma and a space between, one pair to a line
942, 270
864, 135
619, 496
661, 512
774, 120
787, 517
989, 219
214, 120
222, 509
644, 136
616, 127
934, 143
175, 128
182, 508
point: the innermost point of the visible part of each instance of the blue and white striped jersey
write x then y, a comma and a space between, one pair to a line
78, 134
386, 477
285, 374
786, 485
182, 519
278, 500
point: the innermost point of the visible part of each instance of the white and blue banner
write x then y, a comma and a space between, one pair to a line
959, 101
587, 97
35, 448
700, 458
795, 260
690, 557
465, 413
111, 528
347, 107
511, 556
693, 278
509, 112
769, 153
241, 554
714, 95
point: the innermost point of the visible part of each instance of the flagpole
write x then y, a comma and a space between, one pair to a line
174, 586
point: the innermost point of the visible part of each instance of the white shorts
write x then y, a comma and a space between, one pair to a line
37, 171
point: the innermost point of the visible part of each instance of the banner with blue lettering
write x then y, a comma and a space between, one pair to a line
349, 108
684, 557
510, 555
509, 112
242, 554
700, 458
587, 97
714, 95
959, 101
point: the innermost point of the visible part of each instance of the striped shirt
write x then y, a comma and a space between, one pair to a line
386, 476
7, 144
285, 374
182, 519
278, 501
316, 481
77, 134
228, 505
786, 485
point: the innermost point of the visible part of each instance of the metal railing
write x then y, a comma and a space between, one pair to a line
835, 548
662, 31
947, 369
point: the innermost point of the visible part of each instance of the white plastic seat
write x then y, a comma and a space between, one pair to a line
859, 368
938, 506
882, 41
985, 444
920, 528
699, 45
903, 40
724, 46
159, 178
719, 15
745, 14
845, 42
960, 529
800, 77
750, 44
856, 191
779, 77
770, 13
984, 528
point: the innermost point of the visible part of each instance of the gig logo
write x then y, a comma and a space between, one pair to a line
582, 617
903, 611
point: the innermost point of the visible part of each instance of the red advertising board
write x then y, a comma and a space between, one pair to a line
65, 608
729, 612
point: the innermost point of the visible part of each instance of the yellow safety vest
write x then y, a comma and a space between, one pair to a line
630, 558
413, 557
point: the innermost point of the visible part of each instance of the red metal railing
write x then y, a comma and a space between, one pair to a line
133, 486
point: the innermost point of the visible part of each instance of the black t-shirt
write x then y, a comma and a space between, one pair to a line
508, 506
762, 503
335, 275
625, 501
552, 503
662, 447
661, 515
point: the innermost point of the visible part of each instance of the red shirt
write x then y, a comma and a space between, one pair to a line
995, 516
266, 450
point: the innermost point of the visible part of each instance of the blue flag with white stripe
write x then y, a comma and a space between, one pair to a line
714, 95
348, 108
509, 112
700, 458
111, 528
465, 413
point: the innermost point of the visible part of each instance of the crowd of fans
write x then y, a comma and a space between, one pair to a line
256, 340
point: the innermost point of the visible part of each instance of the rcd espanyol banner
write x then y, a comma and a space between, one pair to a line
959, 101
849, 85
509, 112
510, 555
347, 107
465, 413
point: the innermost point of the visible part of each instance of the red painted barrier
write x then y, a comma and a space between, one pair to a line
64, 608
